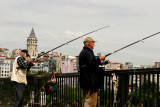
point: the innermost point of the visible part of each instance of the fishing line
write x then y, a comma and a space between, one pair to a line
141, 40
74, 40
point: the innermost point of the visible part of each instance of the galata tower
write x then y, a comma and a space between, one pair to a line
32, 45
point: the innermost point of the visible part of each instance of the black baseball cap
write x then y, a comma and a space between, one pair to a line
26, 51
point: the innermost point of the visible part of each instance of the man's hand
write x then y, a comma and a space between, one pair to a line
30, 60
101, 57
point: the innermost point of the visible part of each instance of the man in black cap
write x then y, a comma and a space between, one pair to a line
19, 75
89, 65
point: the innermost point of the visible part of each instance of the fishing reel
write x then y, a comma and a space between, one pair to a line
31, 60
105, 62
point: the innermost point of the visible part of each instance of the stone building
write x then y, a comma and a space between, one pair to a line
32, 45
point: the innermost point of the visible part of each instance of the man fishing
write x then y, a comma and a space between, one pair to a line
89, 64
19, 73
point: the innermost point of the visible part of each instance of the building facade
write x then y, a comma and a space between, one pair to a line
4, 52
5, 69
32, 45
68, 64
16, 52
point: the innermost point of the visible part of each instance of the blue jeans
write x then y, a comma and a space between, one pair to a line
19, 94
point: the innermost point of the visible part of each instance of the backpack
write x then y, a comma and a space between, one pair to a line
51, 86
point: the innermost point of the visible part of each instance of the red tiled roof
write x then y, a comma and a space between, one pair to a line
2, 56
10, 58
37, 61
46, 58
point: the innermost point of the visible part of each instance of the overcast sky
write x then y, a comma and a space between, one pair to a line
58, 21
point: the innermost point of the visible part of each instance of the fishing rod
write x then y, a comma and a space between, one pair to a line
73, 40
63, 45
106, 62
131, 44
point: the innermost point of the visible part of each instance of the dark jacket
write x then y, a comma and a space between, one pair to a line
89, 67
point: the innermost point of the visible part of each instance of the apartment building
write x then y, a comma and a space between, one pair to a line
5, 70
55, 64
113, 66
4, 52
16, 52
69, 64
38, 66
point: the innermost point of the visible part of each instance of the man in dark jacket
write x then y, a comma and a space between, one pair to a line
89, 64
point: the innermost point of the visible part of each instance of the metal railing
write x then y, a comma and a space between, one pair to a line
136, 88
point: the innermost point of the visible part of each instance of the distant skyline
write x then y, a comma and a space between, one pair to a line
58, 21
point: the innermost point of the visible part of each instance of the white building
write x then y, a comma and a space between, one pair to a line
6, 67
46, 64
113, 66
5, 70
38, 66
129, 65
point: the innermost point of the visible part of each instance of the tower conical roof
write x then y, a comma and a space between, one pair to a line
32, 34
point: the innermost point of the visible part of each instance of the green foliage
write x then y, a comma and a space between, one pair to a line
29, 72
105, 97
146, 94
68, 96
38, 73
41, 72
7, 92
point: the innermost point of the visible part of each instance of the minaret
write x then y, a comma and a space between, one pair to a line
32, 45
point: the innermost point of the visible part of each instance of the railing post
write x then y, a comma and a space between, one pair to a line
36, 85
123, 88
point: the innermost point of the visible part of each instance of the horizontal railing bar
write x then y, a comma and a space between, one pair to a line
76, 74
135, 71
